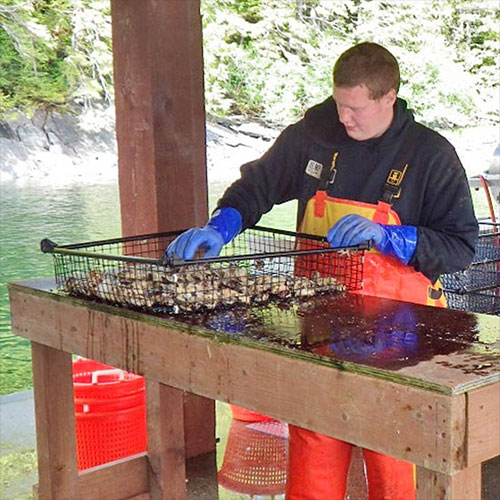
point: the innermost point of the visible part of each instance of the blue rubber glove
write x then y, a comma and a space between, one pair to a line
223, 226
227, 221
353, 229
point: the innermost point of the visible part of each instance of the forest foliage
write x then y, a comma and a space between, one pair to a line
266, 59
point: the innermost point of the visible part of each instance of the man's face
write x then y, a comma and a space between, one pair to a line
362, 117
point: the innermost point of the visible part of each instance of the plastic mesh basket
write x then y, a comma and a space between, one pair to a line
110, 411
255, 461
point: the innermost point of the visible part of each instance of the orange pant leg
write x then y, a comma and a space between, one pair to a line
388, 478
317, 466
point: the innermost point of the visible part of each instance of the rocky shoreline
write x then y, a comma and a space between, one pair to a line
66, 148
53, 148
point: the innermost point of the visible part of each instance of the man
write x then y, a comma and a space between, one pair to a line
362, 169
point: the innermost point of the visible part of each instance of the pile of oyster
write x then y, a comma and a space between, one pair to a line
195, 287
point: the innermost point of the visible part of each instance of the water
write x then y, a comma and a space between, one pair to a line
69, 214
30, 213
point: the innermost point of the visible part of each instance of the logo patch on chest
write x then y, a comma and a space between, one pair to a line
395, 177
314, 169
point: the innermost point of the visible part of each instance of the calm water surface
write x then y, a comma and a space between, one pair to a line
30, 213
65, 214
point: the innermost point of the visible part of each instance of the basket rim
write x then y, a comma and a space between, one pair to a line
48, 246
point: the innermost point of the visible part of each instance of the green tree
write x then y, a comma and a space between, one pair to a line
278, 61
266, 59
54, 53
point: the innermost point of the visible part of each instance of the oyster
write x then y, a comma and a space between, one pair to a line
199, 286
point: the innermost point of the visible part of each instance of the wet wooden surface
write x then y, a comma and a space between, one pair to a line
439, 349
326, 364
436, 349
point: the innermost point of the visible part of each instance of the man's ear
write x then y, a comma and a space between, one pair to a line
390, 97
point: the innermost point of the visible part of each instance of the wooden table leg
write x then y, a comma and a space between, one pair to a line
55, 423
166, 444
465, 484
199, 424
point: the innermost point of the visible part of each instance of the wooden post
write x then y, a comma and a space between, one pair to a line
166, 448
160, 127
55, 423
160, 114
483, 423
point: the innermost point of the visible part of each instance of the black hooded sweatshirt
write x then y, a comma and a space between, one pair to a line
435, 195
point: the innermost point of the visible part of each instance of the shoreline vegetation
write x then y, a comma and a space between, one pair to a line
265, 63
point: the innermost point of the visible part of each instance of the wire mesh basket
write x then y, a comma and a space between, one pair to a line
477, 288
487, 301
258, 266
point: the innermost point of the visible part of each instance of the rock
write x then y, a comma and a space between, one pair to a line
63, 129
6, 131
30, 135
81, 146
54, 147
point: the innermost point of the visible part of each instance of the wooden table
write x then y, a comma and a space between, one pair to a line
435, 403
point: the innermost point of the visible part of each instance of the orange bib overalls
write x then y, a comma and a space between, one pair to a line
383, 276
318, 464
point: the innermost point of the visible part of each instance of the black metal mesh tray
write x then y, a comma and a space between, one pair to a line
477, 288
258, 266
487, 302
484, 272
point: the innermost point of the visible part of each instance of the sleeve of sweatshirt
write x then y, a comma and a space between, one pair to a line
448, 229
272, 179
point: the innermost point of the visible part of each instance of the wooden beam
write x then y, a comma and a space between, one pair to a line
123, 479
199, 417
160, 114
464, 485
160, 127
483, 421
127, 479
116, 480
55, 423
